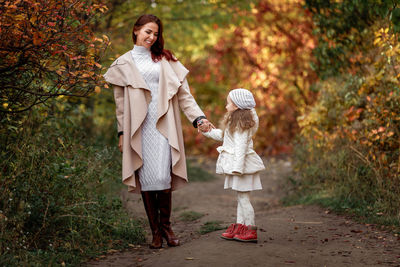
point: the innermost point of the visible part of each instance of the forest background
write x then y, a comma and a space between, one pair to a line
325, 75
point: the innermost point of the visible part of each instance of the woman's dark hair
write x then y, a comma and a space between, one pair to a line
157, 49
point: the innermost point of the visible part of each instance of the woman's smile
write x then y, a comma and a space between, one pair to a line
147, 35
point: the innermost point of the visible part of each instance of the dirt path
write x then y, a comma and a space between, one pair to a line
296, 236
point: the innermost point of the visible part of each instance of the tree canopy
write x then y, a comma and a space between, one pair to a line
47, 49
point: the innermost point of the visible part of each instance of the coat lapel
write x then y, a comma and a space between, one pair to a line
123, 72
172, 75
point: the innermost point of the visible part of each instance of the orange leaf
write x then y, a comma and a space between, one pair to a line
36, 39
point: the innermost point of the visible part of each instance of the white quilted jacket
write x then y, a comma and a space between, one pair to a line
236, 155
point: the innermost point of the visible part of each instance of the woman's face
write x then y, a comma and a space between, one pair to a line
230, 106
147, 35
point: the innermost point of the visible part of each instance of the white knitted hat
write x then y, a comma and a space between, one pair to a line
242, 98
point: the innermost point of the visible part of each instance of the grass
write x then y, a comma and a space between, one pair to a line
339, 180
210, 226
360, 212
197, 174
190, 216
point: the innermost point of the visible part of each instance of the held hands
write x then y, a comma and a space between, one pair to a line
204, 125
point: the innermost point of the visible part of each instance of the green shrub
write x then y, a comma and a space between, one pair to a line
347, 153
58, 194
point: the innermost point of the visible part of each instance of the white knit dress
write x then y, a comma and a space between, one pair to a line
155, 174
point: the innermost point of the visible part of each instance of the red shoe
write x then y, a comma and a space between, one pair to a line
247, 234
231, 231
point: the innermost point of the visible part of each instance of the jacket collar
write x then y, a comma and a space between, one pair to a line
123, 72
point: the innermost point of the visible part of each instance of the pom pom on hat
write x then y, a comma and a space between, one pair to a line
242, 98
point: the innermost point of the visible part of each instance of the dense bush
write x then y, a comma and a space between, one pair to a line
350, 138
58, 185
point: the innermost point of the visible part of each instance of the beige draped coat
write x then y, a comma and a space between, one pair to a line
132, 97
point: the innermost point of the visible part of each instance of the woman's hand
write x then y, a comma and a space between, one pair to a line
204, 125
120, 142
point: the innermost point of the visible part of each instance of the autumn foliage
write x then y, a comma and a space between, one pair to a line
349, 144
47, 49
270, 54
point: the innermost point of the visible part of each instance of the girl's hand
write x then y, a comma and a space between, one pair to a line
204, 125
120, 143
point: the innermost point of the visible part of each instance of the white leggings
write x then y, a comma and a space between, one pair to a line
245, 211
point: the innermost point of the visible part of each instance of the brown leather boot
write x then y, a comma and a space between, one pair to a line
164, 202
150, 201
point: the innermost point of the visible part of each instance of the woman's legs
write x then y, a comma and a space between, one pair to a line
150, 201
245, 211
165, 205
158, 209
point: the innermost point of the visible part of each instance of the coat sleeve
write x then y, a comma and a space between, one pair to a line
215, 134
187, 103
240, 140
119, 107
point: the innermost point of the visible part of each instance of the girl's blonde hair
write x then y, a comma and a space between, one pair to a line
238, 120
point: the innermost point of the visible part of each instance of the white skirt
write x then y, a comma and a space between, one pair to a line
243, 183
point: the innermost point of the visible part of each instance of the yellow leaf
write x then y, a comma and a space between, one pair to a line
5, 105
19, 17
377, 40
33, 19
97, 89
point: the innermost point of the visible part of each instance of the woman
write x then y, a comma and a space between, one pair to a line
150, 88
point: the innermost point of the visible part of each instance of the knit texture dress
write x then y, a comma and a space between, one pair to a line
155, 174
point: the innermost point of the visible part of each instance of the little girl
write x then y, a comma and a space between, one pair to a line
238, 161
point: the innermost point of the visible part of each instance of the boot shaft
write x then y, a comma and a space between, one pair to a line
150, 201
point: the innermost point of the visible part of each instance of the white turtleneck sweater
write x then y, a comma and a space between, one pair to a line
155, 174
